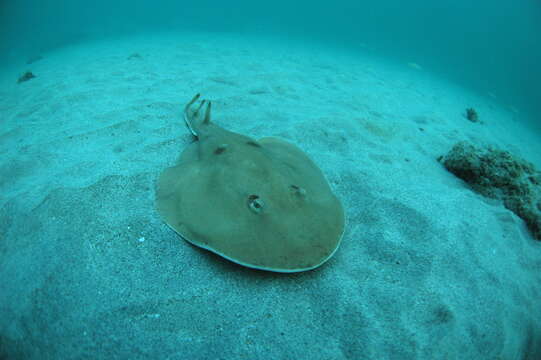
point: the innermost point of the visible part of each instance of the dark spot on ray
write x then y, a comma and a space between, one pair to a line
220, 149
252, 143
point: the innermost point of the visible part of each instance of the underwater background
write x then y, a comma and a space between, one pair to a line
422, 120
491, 46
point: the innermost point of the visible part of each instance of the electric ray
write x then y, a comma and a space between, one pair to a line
259, 203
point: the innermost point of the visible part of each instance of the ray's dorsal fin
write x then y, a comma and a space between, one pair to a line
206, 121
192, 117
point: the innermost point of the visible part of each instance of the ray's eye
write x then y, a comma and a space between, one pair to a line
299, 191
255, 203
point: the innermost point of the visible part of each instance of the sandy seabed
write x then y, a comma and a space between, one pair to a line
427, 268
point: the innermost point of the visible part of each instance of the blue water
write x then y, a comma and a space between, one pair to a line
428, 269
491, 46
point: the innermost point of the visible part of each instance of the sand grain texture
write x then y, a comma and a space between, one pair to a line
427, 269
